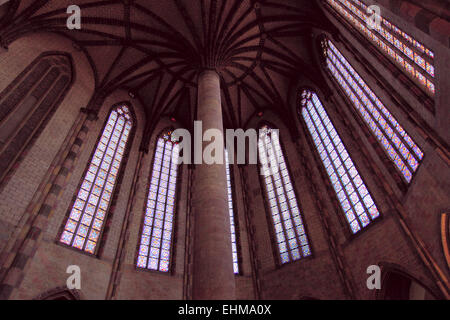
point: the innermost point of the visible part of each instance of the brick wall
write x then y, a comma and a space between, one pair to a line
313, 276
427, 195
319, 276
16, 194
48, 268
143, 284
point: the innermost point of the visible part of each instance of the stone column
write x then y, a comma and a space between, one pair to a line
213, 276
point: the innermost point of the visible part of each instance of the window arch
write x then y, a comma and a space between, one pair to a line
86, 220
352, 193
398, 284
156, 242
415, 59
28, 103
289, 230
234, 238
401, 149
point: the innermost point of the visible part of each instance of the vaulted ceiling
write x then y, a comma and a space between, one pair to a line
156, 48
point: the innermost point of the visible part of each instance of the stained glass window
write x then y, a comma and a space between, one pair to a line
289, 230
399, 146
409, 54
352, 193
88, 214
231, 211
157, 230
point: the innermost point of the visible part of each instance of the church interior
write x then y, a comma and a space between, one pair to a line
350, 97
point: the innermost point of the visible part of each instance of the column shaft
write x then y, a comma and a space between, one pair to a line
213, 276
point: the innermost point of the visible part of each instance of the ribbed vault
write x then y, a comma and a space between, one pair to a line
155, 49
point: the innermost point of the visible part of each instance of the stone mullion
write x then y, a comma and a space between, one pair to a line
108, 173
422, 127
28, 115
91, 188
328, 177
7, 172
380, 151
16, 261
277, 198
437, 23
175, 212
164, 159
377, 123
334, 165
393, 68
288, 202
26, 95
392, 46
36, 106
347, 170
152, 172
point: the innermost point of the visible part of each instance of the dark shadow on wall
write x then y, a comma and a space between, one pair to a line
399, 285
60, 293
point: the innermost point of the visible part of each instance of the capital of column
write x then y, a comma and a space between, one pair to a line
208, 75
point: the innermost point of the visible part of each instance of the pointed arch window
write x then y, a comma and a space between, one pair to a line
352, 193
415, 59
28, 103
157, 230
232, 218
401, 149
287, 221
87, 217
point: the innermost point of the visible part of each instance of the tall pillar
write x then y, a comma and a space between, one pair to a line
213, 275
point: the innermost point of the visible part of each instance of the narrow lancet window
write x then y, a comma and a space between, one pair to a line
352, 193
289, 230
398, 145
87, 217
157, 230
415, 59
231, 211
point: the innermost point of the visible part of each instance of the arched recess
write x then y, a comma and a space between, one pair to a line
28, 103
398, 284
88, 219
156, 247
60, 293
289, 235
